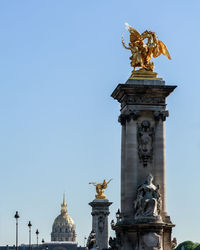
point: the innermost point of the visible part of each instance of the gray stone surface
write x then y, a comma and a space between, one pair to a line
143, 152
145, 82
100, 213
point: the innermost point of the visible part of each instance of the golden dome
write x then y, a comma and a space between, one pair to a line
63, 228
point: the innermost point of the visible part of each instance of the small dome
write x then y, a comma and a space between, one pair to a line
63, 228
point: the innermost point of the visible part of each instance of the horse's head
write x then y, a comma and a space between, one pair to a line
148, 34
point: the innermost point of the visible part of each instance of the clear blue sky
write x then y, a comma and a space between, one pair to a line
59, 63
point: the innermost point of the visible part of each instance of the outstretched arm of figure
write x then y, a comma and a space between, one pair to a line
94, 183
109, 181
123, 43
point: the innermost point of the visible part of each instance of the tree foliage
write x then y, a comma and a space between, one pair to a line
188, 245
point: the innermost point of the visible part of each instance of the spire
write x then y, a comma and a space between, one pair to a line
64, 206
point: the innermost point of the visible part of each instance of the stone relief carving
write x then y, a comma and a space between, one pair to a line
143, 100
145, 142
150, 241
148, 201
161, 115
101, 222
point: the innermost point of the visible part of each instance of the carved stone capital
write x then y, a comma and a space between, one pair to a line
127, 117
161, 115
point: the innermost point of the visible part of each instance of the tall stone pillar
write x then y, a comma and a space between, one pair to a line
100, 212
143, 223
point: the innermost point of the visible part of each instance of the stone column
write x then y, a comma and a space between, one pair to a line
123, 164
160, 172
100, 212
143, 113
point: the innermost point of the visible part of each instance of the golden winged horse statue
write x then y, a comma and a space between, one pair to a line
142, 52
100, 188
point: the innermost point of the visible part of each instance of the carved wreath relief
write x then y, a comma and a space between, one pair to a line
145, 142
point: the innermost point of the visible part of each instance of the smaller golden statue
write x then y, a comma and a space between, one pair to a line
142, 52
100, 188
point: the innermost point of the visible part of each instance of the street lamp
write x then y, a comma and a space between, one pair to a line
16, 217
118, 215
37, 232
85, 238
29, 226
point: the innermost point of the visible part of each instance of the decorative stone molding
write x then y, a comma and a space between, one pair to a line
94, 213
130, 100
161, 115
145, 138
127, 117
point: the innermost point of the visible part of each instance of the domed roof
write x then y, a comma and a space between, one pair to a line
63, 220
63, 228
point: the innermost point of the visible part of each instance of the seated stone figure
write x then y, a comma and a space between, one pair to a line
148, 201
91, 242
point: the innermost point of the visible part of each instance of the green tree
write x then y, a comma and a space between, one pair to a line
188, 245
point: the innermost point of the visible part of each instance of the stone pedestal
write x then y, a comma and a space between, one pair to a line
100, 212
143, 113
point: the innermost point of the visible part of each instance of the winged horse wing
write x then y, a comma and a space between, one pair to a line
162, 49
134, 34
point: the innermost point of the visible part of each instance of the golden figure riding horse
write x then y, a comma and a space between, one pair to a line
100, 188
142, 52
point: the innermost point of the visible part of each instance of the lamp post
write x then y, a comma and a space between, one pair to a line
16, 217
118, 215
85, 238
37, 232
29, 226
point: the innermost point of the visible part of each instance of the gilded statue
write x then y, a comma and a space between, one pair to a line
143, 52
100, 188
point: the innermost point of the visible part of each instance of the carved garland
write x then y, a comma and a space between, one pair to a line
145, 137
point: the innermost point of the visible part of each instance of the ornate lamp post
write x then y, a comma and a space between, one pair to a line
37, 233
16, 217
118, 214
85, 238
29, 226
